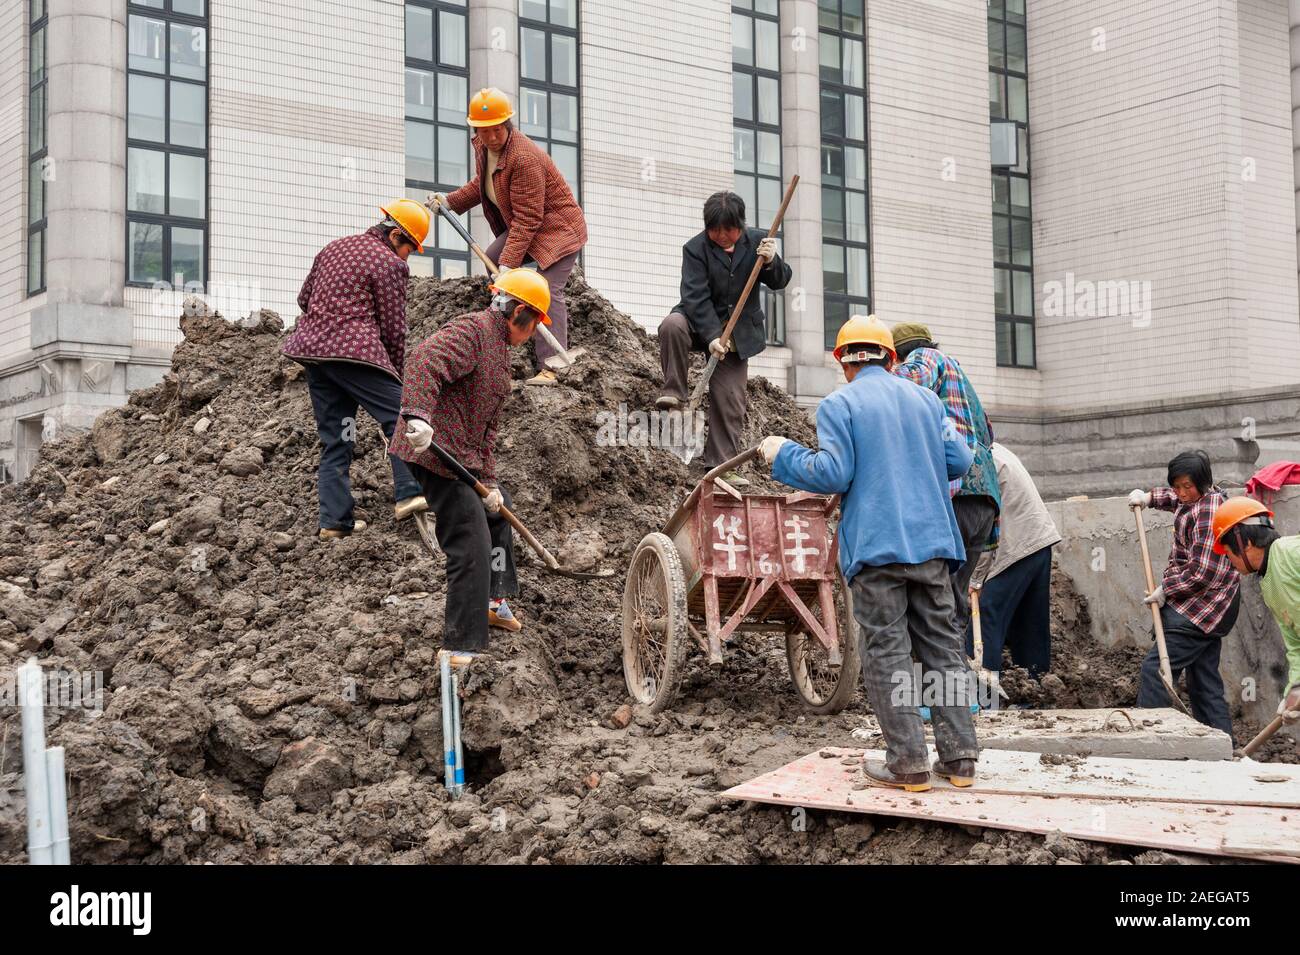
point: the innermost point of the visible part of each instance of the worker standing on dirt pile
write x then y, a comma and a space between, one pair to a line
351, 339
978, 500
715, 267
888, 448
1244, 533
1014, 582
1198, 595
529, 206
457, 379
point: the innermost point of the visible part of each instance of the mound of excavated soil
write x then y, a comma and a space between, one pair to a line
269, 698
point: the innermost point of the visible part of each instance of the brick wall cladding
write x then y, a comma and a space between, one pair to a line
13, 178
656, 88
306, 133
1137, 154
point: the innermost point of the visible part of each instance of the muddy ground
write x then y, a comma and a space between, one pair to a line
270, 698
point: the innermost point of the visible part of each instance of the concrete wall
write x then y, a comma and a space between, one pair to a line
1100, 554
14, 305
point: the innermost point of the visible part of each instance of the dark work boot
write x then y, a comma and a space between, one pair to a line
959, 772
878, 774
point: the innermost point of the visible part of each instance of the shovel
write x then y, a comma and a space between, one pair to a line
1166, 675
552, 565
1249, 749
562, 358
696, 445
977, 661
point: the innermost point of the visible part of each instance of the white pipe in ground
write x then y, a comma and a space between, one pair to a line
58, 805
31, 696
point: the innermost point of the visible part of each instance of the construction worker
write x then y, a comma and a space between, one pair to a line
529, 206
888, 449
351, 339
1014, 582
715, 267
977, 499
456, 382
1244, 533
1198, 595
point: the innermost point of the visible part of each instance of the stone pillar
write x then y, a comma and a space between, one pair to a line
810, 379
1295, 111
493, 61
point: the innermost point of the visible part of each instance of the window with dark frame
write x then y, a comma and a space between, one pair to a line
1013, 252
846, 234
756, 121
438, 156
37, 146
167, 142
548, 110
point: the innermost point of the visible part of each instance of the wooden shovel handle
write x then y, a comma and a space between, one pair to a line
1263, 736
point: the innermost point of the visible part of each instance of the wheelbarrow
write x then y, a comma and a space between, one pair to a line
727, 563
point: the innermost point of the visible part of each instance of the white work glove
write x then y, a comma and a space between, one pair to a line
1156, 597
717, 350
1289, 708
770, 447
1139, 498
419, 434
439, 199
493, 501
767, 250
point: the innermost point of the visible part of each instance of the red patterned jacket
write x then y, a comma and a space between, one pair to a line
457, 379
536, 204
353, 305
1198, 583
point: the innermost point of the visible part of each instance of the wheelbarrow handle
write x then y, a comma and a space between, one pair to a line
679, 515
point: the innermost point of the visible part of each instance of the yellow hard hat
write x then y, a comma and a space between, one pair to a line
412, 217
864, 330
527, 286
489, 107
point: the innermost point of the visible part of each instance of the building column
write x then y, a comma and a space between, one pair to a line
493, 61
1295, 114
810, 379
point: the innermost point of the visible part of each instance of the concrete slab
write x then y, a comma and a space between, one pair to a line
1129, 733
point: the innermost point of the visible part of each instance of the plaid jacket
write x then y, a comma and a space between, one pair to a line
457, 379
353, 305
536, 204
1198, 583
942, 374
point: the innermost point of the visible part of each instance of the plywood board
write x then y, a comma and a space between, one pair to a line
834, 782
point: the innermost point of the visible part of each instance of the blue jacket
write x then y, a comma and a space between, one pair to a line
889, 449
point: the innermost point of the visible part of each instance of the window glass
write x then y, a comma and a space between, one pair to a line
1001, 290
1016, 48
1024, 344
564, 13
832, 213
564, 117
189, 51
453, 268
35, 193
1000, 190
186, 186
453, 98
420, 266
855, 123
767, 45
769, 154
194, 8
1004, 343
144, 252
748, 191
146, 116
855, 167
769, 101
744, 150
1017, 99
532, 113
769, 200
532, 54
533, 9
854, 72
37, 57
1021, 242
828, 56
36, 119
856, 227
997, 98
828, 14
832, 164
189, 122
419, 152
857, 272
1001, 239
146, 44
453, 155
1022, 294
451, 38
997, 49
419, 94
852, 10
742, 92
419, 32
146, 180
566, 160
187, 256
564, 60
1020, 196
832, 113
742, 39
833, 268
36, 261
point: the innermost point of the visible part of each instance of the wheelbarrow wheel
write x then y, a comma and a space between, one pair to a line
654, 622
823, 687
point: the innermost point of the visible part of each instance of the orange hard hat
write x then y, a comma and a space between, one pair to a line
1234, 511
489, 107
412, 217
864, 330
527, 286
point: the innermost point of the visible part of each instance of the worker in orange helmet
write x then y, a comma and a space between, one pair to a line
1244, 532
529, 205
351, 338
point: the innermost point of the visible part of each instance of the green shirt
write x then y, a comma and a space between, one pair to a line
1280, 587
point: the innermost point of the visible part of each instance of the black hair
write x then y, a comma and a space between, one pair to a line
724, 210
1194, 465
1261, 535
904, 350
388, 225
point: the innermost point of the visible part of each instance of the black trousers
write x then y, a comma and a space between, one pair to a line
976, 514
337, 389
727, 397
1015, 612
480, 557
1196, 653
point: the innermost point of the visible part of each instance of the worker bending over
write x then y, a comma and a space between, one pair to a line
1014, 581
977, 500
351, 339
529, 206
1244, 533
1198, 595
887, 448
456, 382
715, 267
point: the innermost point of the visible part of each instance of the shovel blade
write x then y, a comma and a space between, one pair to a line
557, 362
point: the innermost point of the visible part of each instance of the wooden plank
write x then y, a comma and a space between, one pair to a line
826, 782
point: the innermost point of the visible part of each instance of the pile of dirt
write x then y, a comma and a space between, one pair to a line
270, 698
